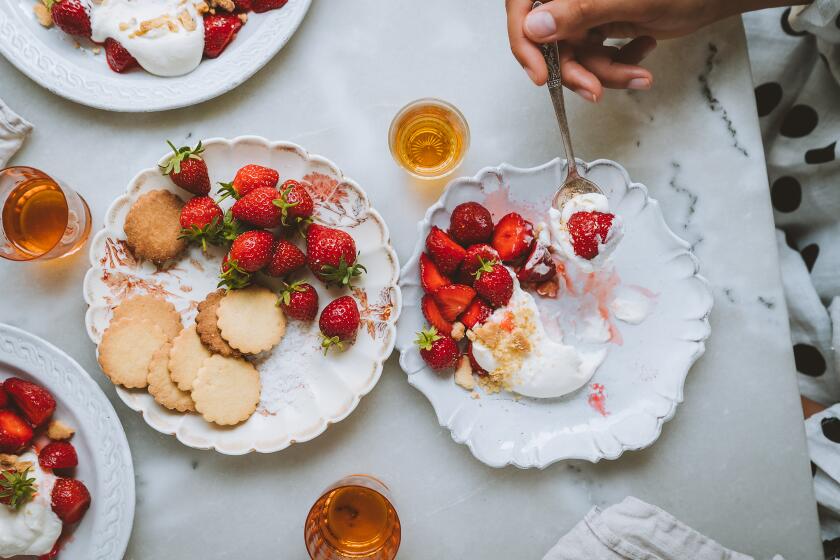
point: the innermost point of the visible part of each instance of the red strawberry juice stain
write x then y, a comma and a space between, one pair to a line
601, 286
598, 400
563, 274
500, 203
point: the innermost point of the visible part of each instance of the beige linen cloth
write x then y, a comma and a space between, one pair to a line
13, 131
636, 530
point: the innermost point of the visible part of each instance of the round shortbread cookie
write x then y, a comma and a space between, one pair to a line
186, 357
226, 391
152, 308
153, 226
250, 320
208, 330
161, 387
126, 350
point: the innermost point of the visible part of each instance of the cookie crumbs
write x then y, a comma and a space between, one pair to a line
59, 431
475, 395
458, 330
43, 15
187, 20
243, 17
96, 50
226, 5
202, 8
463, 375
7, 460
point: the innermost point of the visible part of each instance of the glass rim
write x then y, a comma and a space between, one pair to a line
434, 101
61, 187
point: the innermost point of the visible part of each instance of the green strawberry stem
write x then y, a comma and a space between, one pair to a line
426, 338
226, 191
234, 278
343, 274
16, 488
330, 341
173, 164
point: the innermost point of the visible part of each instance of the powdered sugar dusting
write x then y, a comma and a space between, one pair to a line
283, 369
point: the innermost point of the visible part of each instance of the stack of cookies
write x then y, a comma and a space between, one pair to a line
203, 368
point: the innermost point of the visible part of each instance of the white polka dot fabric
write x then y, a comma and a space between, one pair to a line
795, 55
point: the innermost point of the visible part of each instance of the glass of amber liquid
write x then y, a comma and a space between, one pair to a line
428, 138
353, 519
41, 218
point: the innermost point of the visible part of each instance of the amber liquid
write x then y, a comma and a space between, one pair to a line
35, 216
352, 522
429, 140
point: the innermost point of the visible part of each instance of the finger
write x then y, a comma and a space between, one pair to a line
636, 50
600, 62
576, 77
571, 19
525, 51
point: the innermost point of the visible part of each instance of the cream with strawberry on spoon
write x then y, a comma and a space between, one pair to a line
585, 232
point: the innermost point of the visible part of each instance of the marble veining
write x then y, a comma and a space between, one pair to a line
713, 102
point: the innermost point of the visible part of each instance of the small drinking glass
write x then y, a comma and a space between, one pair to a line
429, 138
41, 218
353, 519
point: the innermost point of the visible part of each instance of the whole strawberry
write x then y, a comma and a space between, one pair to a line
295, 203
251, 250
440, 352
257, 208
187, 169
219, 31
248, 178
119, 59
35, 402
285, 259
471, 223
299, 300
58, 455
70, 16
472, 260
494, 283
202, 221
331, 255
70, 500
339, 323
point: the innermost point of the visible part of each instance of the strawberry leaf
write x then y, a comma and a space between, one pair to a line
16, 488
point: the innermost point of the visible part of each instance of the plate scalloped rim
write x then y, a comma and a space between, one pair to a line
536, 459
126, 396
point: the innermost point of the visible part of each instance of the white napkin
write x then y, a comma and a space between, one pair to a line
636, 530
13, 130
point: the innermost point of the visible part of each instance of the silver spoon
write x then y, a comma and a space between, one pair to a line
574, 183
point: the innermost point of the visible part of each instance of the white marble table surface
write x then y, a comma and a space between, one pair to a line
732, 463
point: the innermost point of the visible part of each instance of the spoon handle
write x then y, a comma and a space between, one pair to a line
551, 54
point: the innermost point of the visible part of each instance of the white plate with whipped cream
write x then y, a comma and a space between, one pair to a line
104, 458
601, 347
171, 73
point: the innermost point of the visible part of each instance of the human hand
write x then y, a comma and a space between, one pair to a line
582, 26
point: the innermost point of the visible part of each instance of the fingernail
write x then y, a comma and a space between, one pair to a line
540, 24
588, 95
639, 83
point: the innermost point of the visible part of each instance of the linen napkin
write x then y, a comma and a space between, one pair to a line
636, 530
13, 131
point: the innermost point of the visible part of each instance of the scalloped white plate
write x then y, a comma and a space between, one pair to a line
50, 57
303, 391
641, 382
104, 456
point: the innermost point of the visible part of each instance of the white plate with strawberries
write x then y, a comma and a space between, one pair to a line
532, 354
179, 57
294, 221
65, 463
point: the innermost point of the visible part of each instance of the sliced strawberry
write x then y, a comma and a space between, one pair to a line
71, 17
35, 402
15, 433
471, 260
446, 253
58, 455
70, 500
261, 6
475, 314
219, 31
539, 266
512, 237
4, 397
432, 313
587, 230
453, 300
430, 276
119, 59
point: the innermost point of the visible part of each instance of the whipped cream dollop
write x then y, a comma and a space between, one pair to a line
631, 306
33, 529
549, 368
562, 239
165, 36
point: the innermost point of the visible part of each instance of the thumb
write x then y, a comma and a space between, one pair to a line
572, 19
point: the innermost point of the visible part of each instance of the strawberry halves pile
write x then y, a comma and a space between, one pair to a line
220, 27
261, 231
465, 274
26, 410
